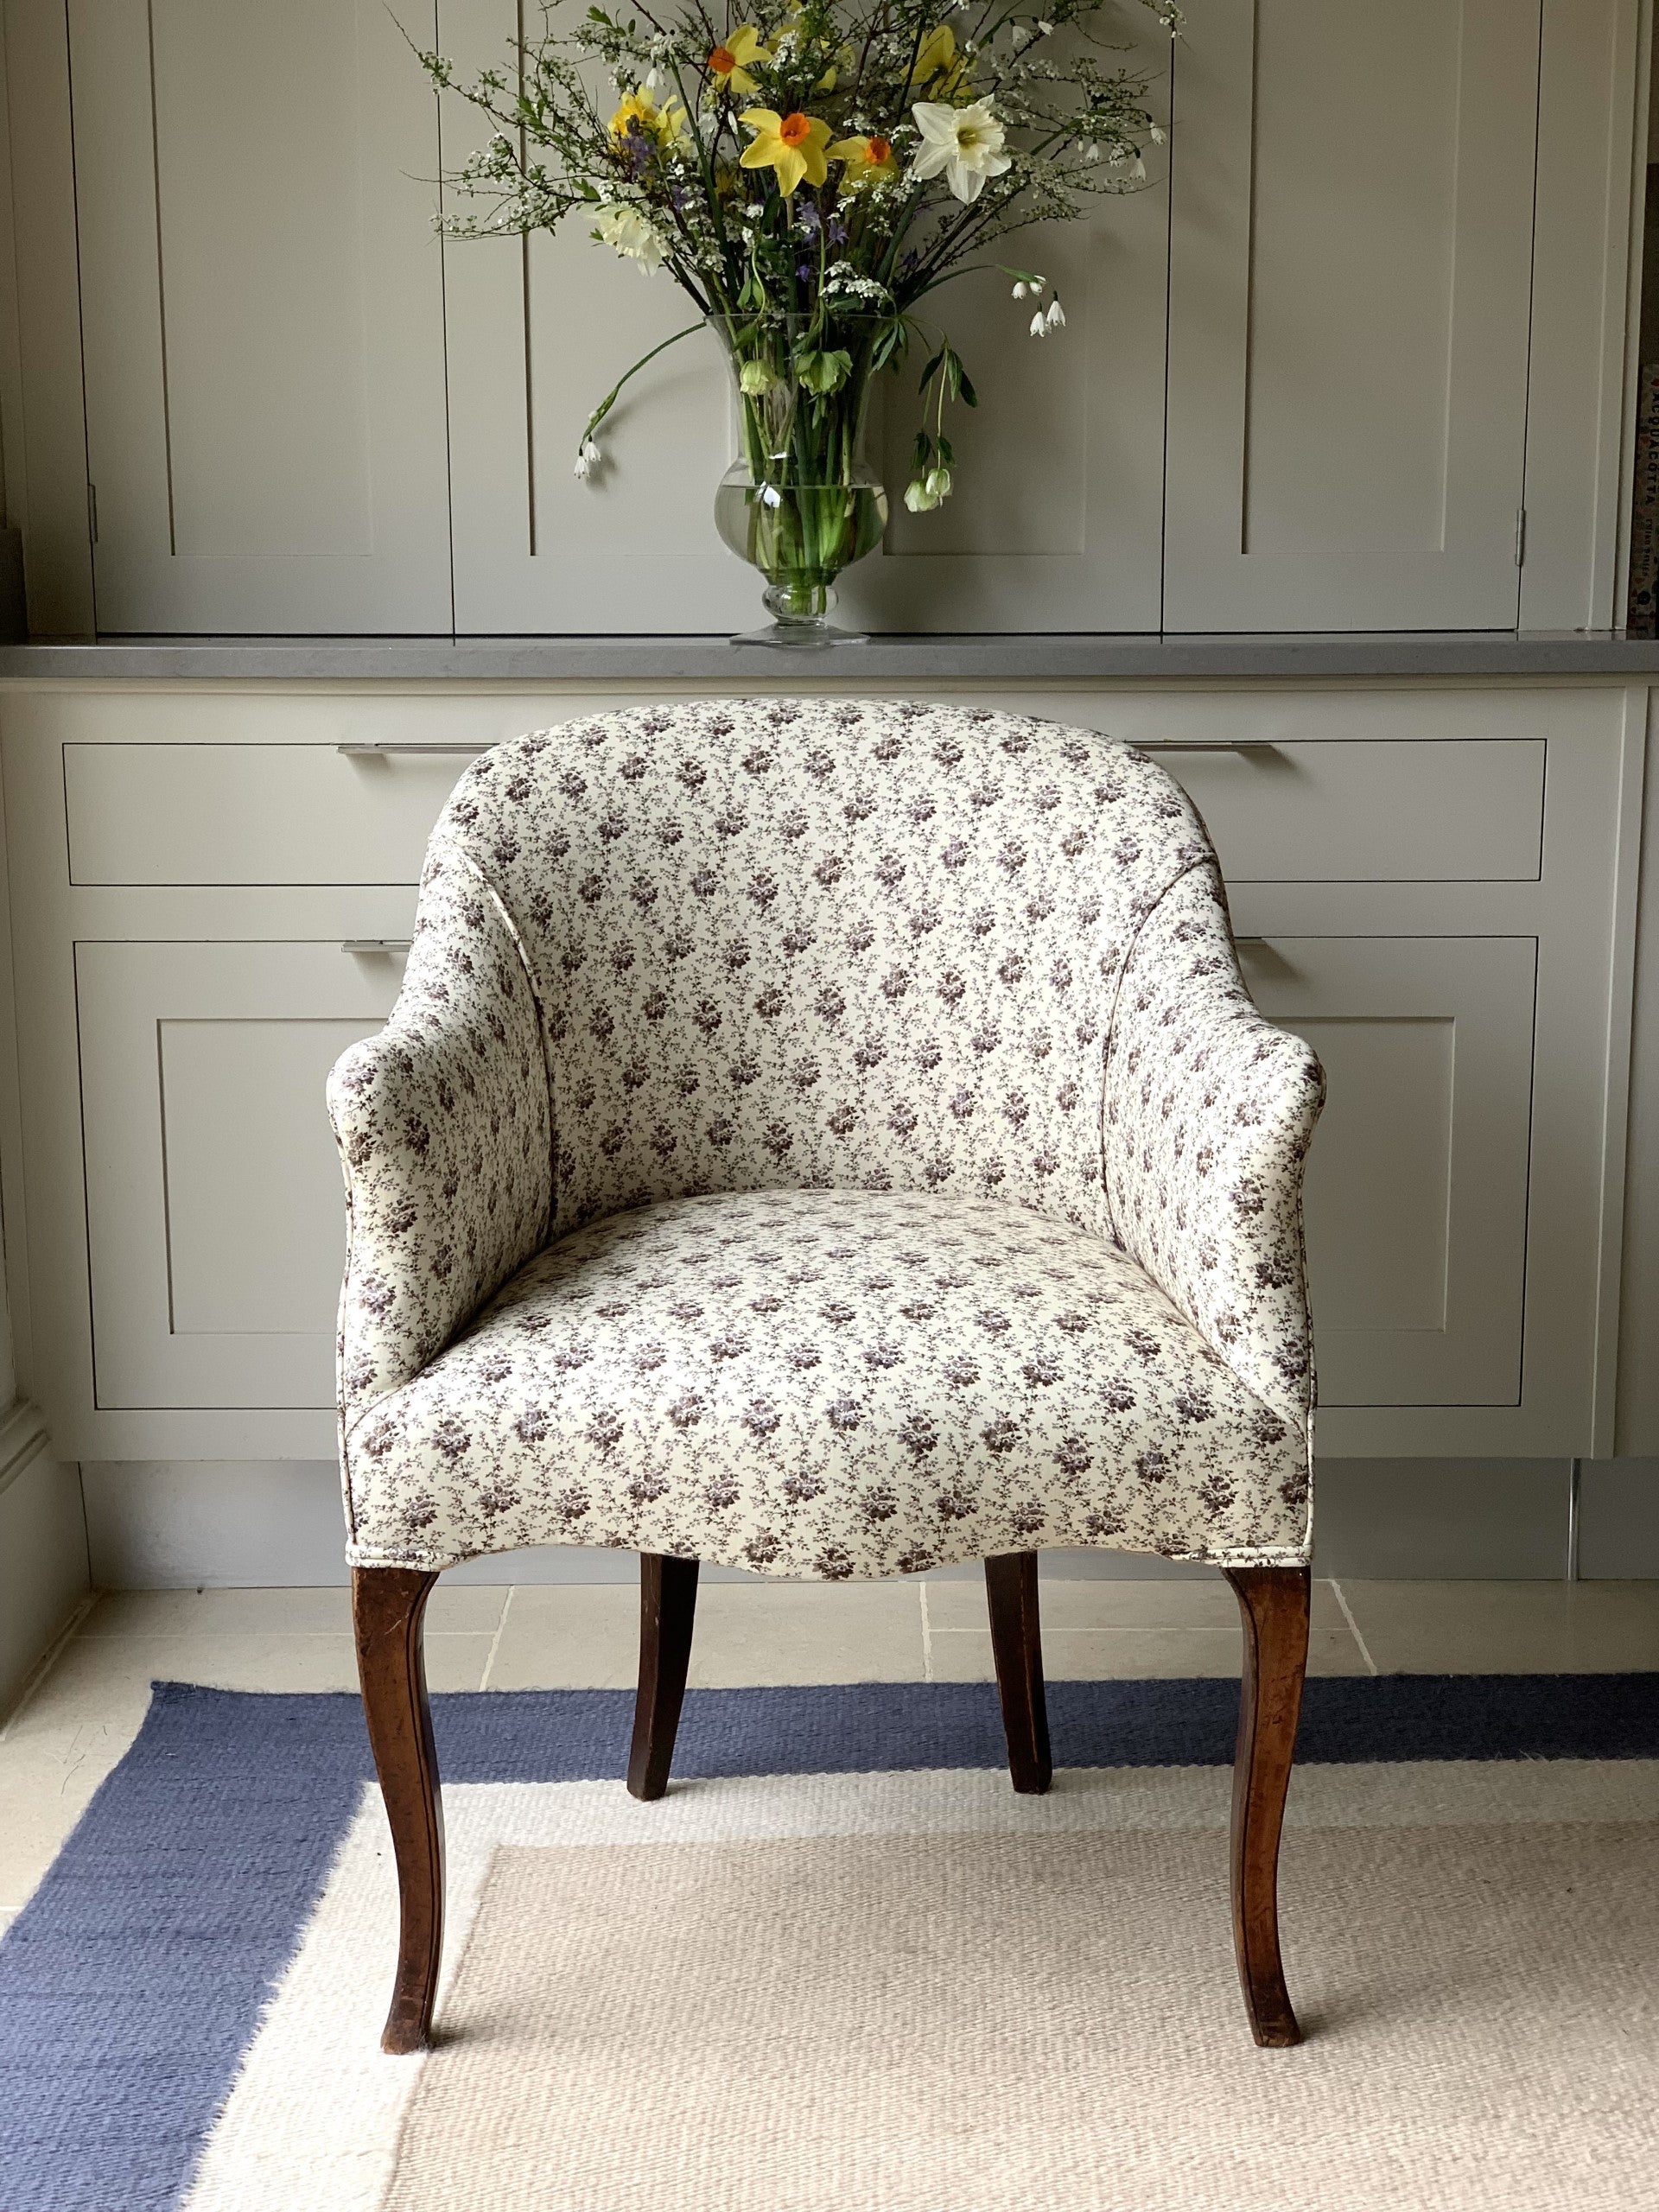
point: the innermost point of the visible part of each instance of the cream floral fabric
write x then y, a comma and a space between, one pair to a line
947, 990
1208, 1113
444, 1126
830, 1382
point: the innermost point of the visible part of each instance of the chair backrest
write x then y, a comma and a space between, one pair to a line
851, 944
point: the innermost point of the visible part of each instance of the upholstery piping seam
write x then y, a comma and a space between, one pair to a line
342, 1427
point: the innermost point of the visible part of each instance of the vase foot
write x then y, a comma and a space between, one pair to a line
801, 636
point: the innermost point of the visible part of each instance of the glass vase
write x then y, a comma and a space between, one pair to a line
802, 502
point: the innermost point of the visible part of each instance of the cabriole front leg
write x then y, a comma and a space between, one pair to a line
1274, 1601
388, 1610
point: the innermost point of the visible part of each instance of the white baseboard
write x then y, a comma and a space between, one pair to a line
180, 1524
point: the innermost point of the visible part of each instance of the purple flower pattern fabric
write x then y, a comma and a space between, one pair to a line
930, 1015
445, 1133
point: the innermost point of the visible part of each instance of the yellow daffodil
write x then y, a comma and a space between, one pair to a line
868, 160
939, 66
794, 145
639, 116
728, 65
846, 58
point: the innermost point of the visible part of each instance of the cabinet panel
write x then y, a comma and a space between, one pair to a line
1416, 1195
216, 1225
1350, 289
1057, 524
262, 300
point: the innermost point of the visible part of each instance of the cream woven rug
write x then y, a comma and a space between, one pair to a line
915, 1993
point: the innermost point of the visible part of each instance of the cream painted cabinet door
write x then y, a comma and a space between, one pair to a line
1416, 1195
262, 315
216, 1215
1057, 522
1350, 294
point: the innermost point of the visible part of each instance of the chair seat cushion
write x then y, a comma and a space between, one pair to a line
828, 1383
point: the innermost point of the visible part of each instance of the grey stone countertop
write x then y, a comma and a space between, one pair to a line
1071, 657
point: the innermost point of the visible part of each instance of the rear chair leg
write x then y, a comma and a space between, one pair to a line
1017, 1648
388, 1608
668, 1608
1274, 1601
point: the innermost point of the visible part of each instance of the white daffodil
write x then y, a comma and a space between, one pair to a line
962, 144
631, 234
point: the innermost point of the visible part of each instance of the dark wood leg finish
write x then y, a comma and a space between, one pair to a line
388, 1608
1017, 1648
668, 1611
1274, 1601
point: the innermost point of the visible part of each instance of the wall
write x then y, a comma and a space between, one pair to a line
43, 1563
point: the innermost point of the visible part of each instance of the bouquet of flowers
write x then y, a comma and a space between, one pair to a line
808, 179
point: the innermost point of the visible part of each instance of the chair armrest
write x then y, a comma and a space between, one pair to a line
1208, 1113
443, 1122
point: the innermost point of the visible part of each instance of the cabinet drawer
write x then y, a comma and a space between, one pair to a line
253, 814
1296, 810
1369, 810
216, 1220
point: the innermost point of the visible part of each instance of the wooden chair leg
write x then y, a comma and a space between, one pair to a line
668, 1609
1017, 1648
1274, 1601
388, 1609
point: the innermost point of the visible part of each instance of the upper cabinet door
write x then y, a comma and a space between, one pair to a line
263, 314
540, 329
1057, 520
1350, 289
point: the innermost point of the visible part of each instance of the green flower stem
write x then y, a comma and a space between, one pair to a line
615, 392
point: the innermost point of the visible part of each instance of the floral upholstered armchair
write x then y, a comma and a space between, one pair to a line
830, 1138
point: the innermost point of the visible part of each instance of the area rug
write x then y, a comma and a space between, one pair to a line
842, 1965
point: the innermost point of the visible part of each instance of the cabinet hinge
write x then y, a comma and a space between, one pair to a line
92, 511
1520, 537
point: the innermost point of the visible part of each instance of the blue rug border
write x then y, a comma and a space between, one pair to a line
118, 2046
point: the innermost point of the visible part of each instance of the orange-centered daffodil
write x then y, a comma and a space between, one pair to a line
728, 65
794, 145
867, 160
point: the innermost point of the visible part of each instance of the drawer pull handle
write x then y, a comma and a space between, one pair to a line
1205, 744
1262, 955
374, 947
381, 748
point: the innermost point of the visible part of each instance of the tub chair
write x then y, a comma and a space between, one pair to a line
830, 1138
